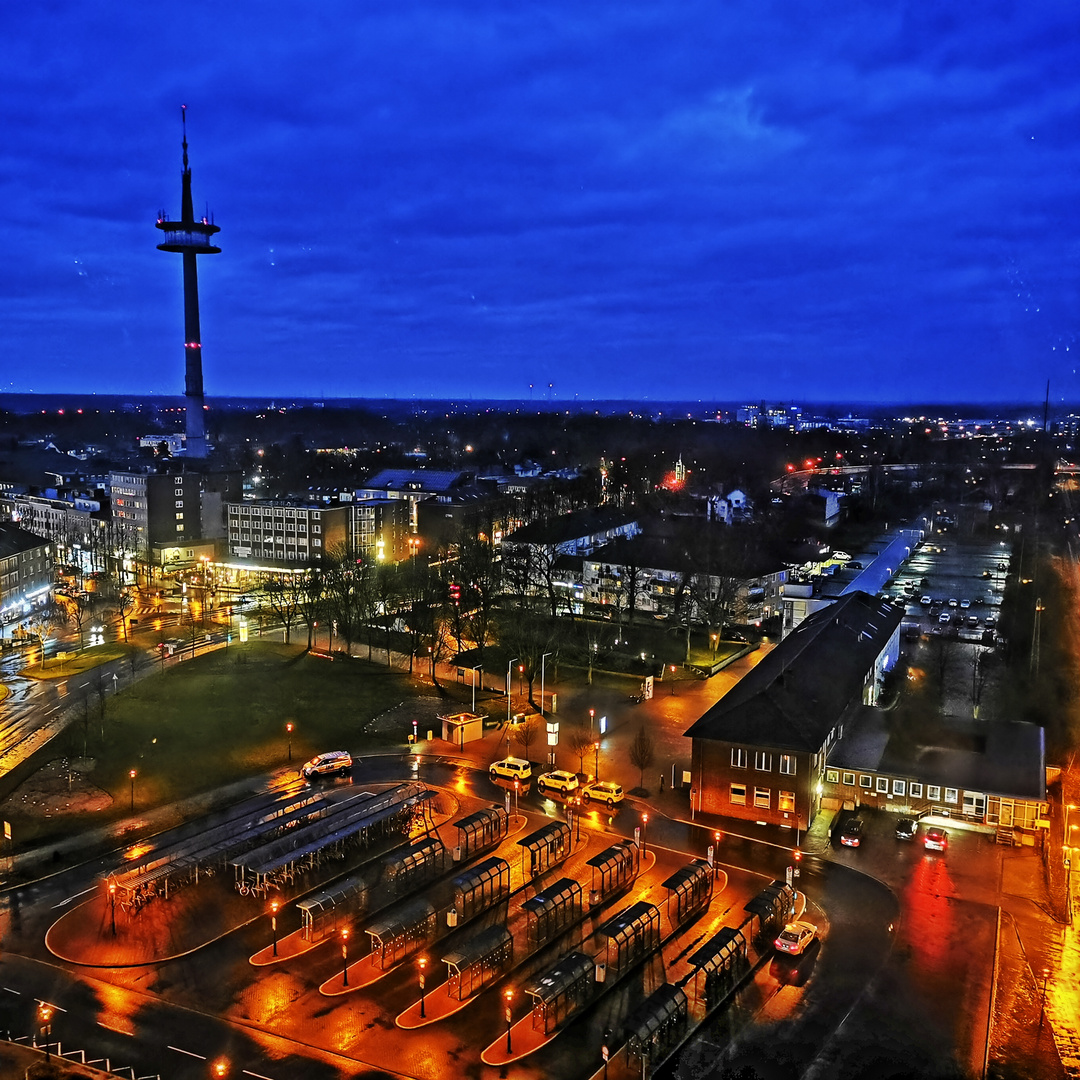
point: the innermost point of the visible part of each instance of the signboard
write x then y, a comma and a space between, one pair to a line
648, 689
243, 630
553, 733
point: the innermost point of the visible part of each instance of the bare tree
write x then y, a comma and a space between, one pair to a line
642, 753
284, 593
46, 622
125, 601
580, 740
528, 731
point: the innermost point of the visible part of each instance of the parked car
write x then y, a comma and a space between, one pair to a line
936, 839
558, 780
953, 601
511, 768
944, 617
795, 938
906, 829
332, 763
965, 604
991, 622
604, 791
852, 833
924, 600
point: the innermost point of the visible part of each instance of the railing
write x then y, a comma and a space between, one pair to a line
79, 1056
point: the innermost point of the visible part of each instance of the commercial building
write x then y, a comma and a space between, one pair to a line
26, 572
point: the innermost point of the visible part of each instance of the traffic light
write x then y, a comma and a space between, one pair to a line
797, 855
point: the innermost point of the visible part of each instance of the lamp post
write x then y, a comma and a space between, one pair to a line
577, 816
542, 659
480, 668
508, 997
131, 777
274, 905
596, 759
592, 719
509, 688
112, 906
644, 834
517, 792
422, 962
344, 956
714, 639
289, 731
672, 680
716, 854
1042, 1005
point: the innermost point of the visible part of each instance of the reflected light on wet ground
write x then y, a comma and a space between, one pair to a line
118, 1008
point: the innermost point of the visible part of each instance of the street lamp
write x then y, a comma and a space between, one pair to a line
716, 854
577, 816
274, 905
508, 996
112, 906
509, 688
517, 792
289, 731
344, 956
644, 833
131, 777
714, 639
596, 759
542, 659
672, 680
592, 719
1042, 1006
422, 962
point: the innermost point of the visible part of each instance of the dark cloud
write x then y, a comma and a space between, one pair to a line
626, 199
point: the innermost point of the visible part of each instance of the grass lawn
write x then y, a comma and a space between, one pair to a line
209, 721
74, 663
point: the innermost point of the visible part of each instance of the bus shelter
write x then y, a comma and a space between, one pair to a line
401, 932
481, 887
772, 906
551, 911
657, 1024
689, 890
630, 936
480, 960
545, 848
321, 914
479, 831
414, 865
612, 870
561, 991
719, 964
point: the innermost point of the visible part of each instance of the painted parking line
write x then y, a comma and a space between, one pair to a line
17, 993
258, 1076
116, 1030
201, 1057
64, 903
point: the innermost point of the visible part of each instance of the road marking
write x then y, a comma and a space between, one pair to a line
118, 1031
188, 1052
64, 903
17, 993
259, 1076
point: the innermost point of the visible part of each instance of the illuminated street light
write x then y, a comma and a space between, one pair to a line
422, 962
45, 1014
131, 776
596, 759
289, 731
344, 956
508, 996
112, 906
274, 905
644, 834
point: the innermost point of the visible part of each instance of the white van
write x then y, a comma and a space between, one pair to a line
333, 763
511, 768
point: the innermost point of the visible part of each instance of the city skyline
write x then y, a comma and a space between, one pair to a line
626, 203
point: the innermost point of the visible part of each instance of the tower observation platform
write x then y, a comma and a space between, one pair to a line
190, 237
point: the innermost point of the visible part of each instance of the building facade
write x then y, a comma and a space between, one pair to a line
26, 572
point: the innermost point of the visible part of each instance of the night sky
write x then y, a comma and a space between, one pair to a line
857, 201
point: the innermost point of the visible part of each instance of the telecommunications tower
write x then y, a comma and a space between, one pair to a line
191, 238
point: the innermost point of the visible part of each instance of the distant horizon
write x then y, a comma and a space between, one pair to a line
994, 409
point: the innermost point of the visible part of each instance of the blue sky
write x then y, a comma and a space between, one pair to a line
620, 200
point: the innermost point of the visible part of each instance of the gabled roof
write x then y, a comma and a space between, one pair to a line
576, 526
415, 480
796, 695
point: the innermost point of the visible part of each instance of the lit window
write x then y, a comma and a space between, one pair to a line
762, 798
180, 516
787, 764
933, 792
786, 801
738, 794
951, 794
832, 776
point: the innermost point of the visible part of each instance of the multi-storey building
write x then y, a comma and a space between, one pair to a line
78, 525
26, 571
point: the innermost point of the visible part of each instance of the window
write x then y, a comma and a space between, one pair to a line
180, 516
738, 757
316, 543
786, 801
316, 528
916, 791
832, 776
178, 492
762, 761
787, 764
933, 792
849, 779
882, 785
180, 504
762, 798
865, 781
180, 525
738, 794
899, 787
951, 794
